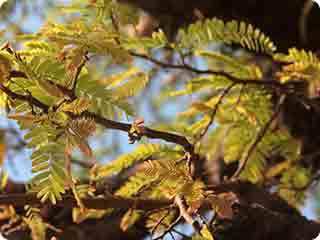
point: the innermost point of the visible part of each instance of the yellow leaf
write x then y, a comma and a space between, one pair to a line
5, 68
2, 153
116, 79
79, 215
251, 118
277, 169
206, 233
200, 106
77, 106
129, 218
27, 118
50, 88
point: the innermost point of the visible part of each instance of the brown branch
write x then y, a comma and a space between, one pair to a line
26, 98
147, 132
20, 200
110, 124
247, 154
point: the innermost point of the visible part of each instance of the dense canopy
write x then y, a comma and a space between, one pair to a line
162, 119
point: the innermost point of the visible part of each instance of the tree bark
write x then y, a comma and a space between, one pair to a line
257, 215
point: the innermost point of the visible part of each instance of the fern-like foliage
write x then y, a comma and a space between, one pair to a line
35, 222
301, 66
77, 106
48, 164
110, 94
141, 153
298, 56
205, 32
88, 66
173, 179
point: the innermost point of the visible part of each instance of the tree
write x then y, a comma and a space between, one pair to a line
236, 162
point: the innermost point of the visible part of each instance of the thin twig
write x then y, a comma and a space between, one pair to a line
214, 111
77, 73
270, 82
247, 154
170, 228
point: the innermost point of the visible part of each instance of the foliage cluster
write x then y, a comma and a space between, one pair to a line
58, 90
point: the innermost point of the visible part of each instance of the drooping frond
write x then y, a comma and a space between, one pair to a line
100, 39
36, 223
298, 56
205, 32
48, 165
164, 169
301, 66
201, 83
38, 48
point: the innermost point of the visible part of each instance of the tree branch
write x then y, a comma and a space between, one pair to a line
269, 82
20, 200
26, 98
110, 124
